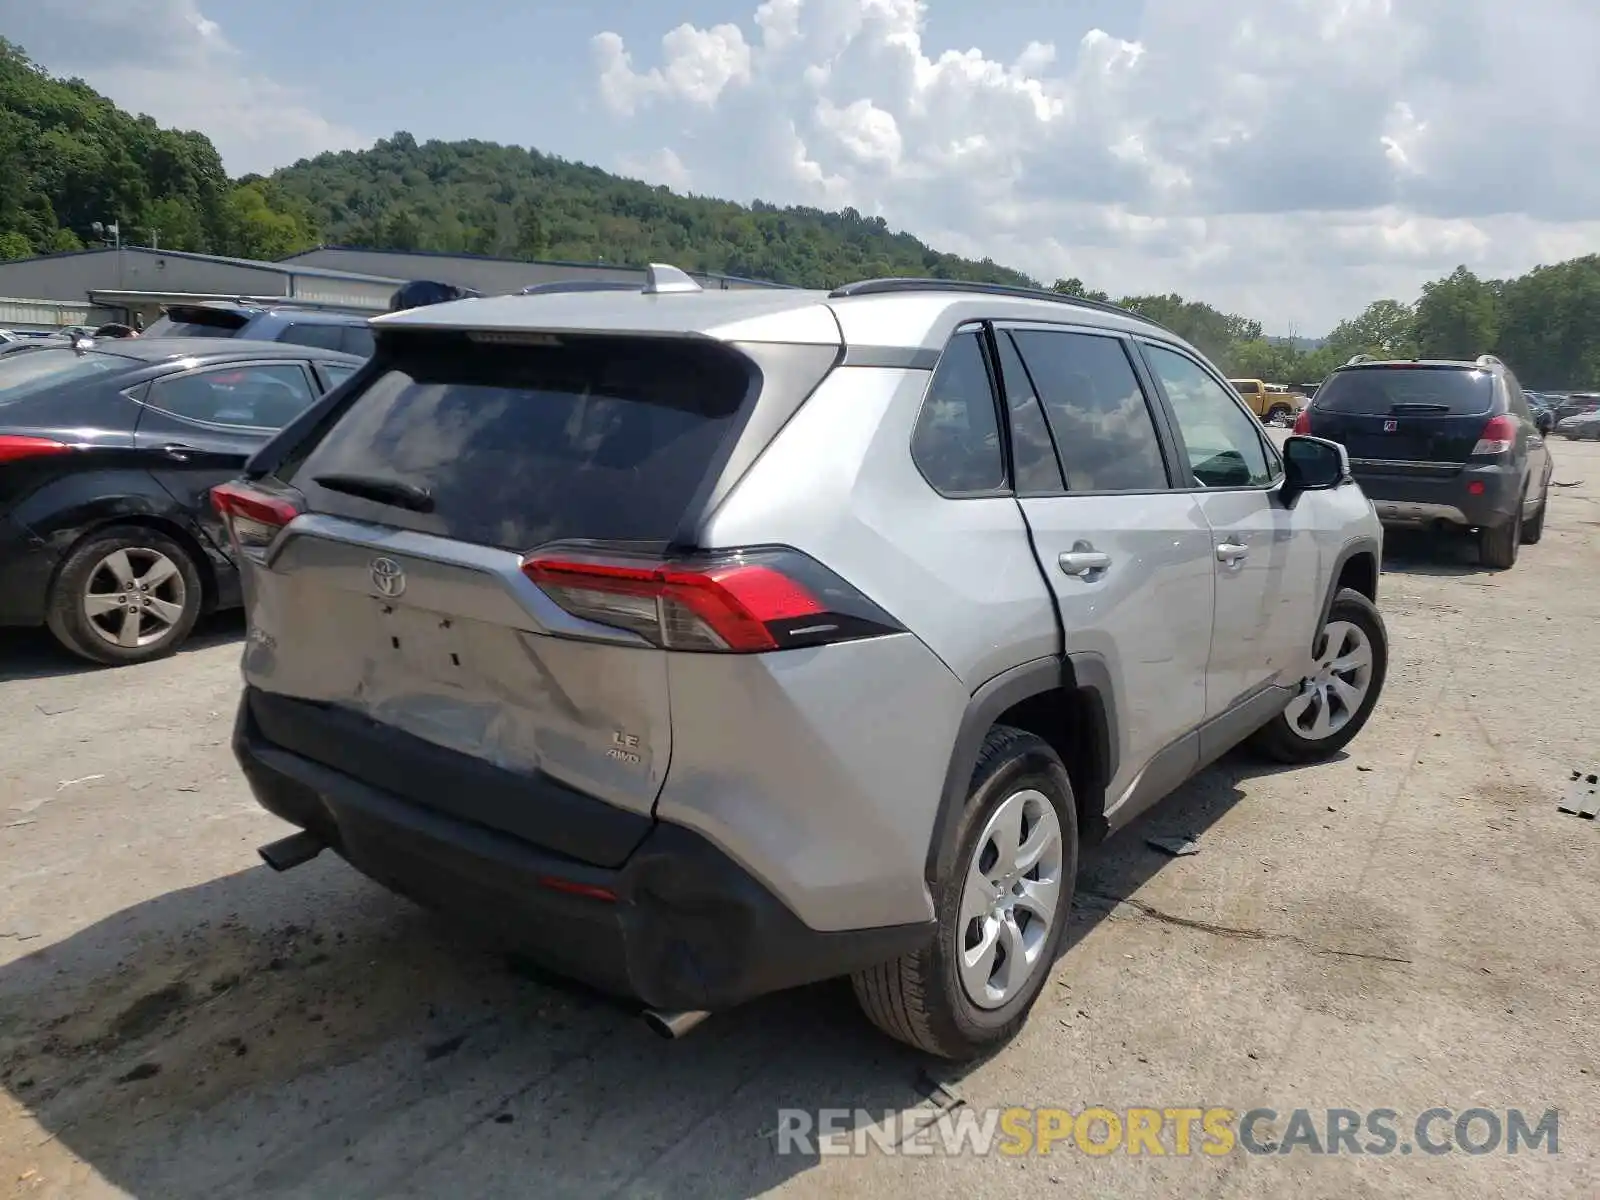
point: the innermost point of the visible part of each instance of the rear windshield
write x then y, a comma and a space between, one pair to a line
23, 375
521, 445
197, 322
1442, 391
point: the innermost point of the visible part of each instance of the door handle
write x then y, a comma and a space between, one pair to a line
1232, 552
1084, 562
178, 451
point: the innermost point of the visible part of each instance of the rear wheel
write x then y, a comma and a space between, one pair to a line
1280, 415
1337, 698
1001, 914
1498, 544
125, 595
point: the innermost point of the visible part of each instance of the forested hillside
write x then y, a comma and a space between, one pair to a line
69, 157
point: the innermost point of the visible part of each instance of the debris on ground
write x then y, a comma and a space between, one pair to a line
1583, 796
1177, 845
1566, 483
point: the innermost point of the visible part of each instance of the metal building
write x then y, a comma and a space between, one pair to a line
90, 287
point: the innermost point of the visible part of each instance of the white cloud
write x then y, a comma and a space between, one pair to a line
1291, 159
168, 59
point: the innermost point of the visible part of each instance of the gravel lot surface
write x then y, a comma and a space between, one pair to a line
1412, 926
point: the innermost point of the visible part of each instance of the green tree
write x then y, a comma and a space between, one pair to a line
252, 228
1457, 317
65, 240
14, 245
533, 239
1386, 329
1076, 287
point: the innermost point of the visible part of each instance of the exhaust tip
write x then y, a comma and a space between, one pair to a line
291, 851
672, 1025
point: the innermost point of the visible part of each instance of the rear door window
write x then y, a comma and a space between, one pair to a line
260, 396
1408, 390
1033, 453
1097, 411
519, 445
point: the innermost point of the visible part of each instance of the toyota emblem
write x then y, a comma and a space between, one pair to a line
388, 576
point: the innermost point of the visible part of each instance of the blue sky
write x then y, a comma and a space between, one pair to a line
1291, 160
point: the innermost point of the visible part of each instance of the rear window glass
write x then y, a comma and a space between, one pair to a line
521, 445
1445, 391
23, 375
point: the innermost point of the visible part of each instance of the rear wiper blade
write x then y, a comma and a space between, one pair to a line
383, 491
1419, 408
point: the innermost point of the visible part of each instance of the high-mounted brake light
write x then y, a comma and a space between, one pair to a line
1499, 436
1302, 423
18, 448
740, 602
253, 518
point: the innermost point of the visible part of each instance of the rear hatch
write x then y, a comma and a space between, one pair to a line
1410, 418
198, 320
399, 598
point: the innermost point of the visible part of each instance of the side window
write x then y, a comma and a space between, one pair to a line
358, 340
335, 373
956, 443
1097, 411
323, 337
265, 396
1033, 454
1223, 441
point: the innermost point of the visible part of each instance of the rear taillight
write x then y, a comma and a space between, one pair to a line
1498, 437
1302, 423
254, 518
739, 602
17, 449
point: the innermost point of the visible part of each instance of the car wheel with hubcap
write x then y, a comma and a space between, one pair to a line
125, 595
1001, 912
1335, 700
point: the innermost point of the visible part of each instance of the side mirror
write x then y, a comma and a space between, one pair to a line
1312, 464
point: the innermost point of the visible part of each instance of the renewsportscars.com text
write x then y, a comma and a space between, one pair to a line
1166, 1132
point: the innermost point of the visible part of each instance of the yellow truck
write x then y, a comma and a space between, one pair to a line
1274, 403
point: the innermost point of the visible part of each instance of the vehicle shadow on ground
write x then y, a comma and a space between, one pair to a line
309, 1034
1409, 552
34, 654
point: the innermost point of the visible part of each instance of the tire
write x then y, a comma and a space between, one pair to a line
163, 614
921, 998
1498, 545
1279, 414
1291, 737
1533, 527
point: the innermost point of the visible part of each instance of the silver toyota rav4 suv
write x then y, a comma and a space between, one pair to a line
714, 643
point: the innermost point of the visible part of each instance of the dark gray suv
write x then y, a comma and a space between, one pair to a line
344, 332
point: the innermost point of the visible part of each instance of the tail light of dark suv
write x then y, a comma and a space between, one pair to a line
735, 601
1499, 436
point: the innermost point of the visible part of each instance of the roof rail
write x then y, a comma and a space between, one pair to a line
1489, 360
879, 287
1357, 359
578, 285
